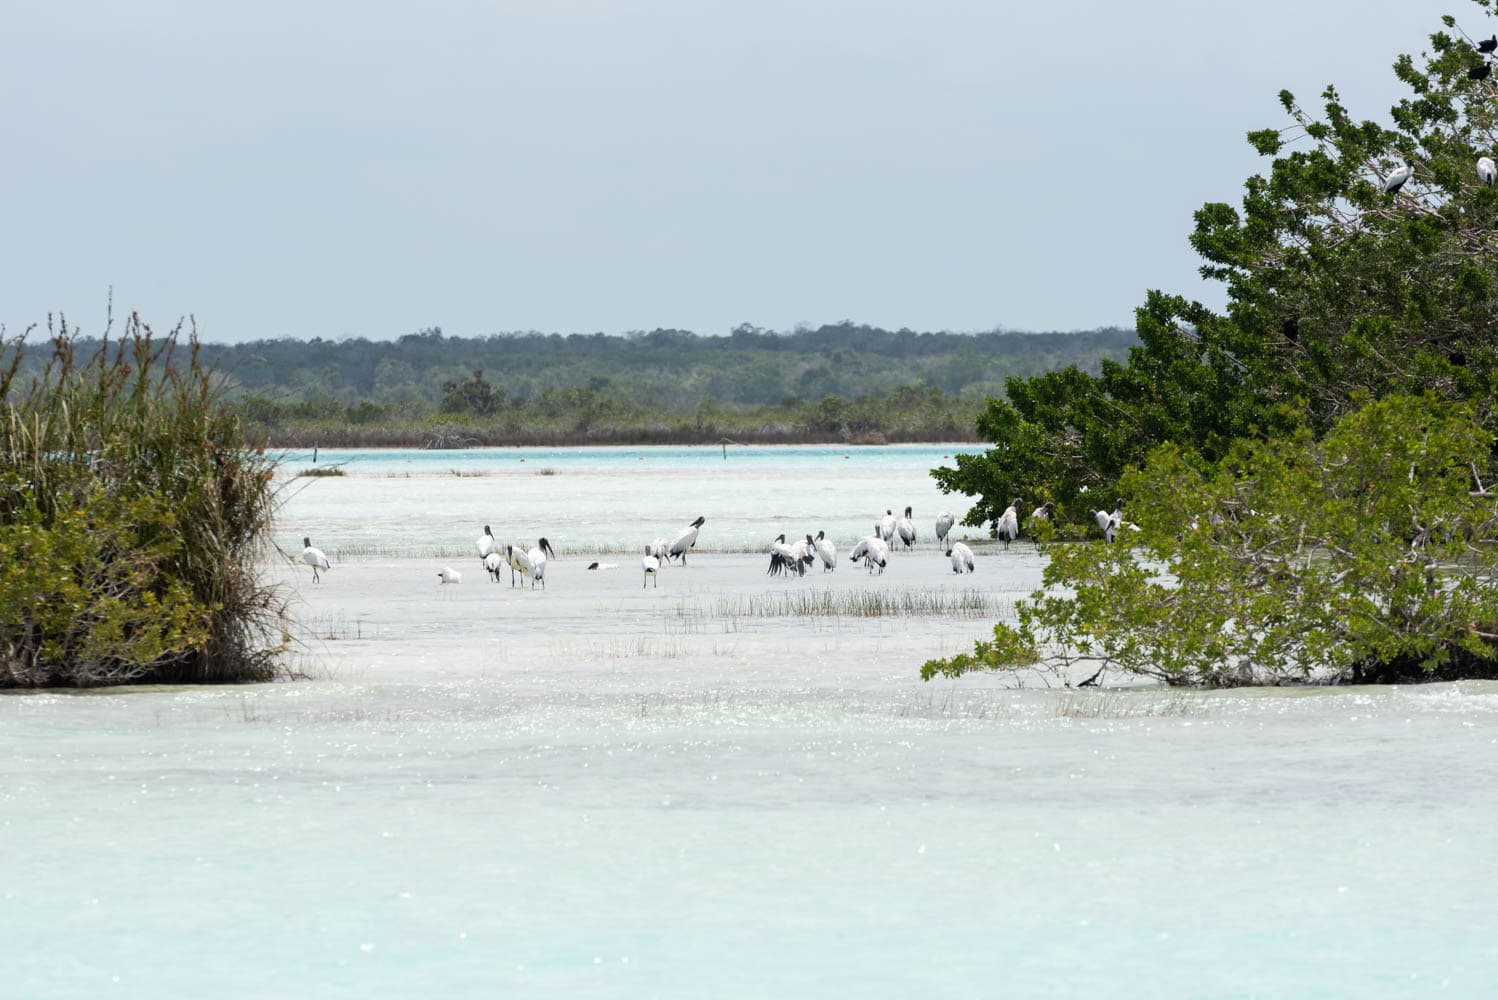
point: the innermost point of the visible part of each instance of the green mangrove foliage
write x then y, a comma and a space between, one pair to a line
131, 510
1365, 555
1337, 290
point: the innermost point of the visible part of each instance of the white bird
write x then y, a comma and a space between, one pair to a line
1007, 525
314, 558
1487, 170
658, 548
1110, 523
685, 541
651, 564
944, 522
962, 558
1397, 178
1043, 512
494, 562
517, 559
905, 527
886, 529
449, 575
873, 551
826, 551
537, 557
486, 545
785, 558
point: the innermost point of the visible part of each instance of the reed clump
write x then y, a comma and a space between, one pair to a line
131, 512
966, 603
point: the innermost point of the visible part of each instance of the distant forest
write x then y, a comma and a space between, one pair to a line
843, 381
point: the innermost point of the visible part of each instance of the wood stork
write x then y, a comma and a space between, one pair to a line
805, 552
905, 528
1487, 170
537, 557
962, 558
873, 550
1007, 526
1397, 179
685, 541
790, 558
658, 548
1043, 512
314, 558
1109, 522
486, 545
944, 522
494, 562
886, 529
518, 560
449, 575
651, 564
826, 551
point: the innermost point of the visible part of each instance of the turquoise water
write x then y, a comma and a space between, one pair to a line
605, 790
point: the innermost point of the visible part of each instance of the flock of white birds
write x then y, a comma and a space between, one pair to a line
786, 558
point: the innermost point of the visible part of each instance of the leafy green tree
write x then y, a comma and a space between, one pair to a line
1337, 289
1364, 556
472, 395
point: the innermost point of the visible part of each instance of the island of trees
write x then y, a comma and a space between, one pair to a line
1306, 473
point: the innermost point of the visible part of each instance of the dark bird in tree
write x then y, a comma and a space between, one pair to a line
1291, 329
1480, 72
1488, 45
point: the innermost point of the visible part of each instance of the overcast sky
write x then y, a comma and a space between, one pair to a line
364, 169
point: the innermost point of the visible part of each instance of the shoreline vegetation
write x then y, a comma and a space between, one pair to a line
132, 510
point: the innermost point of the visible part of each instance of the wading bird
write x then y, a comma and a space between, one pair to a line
314, 558
826, 551
486, 545
1397, 179
1007, 525
517, 559
1487, 170
886, 529
1488, 45
494, 562
873, 550
1480, 72
449, 575
962, 558
651, 564
1042, 513
1109, 522
684, 542
905, 527
944, 522
658, 548
537, 557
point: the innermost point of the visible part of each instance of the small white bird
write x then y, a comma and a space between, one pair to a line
449, 575
1397, 178
537, 557
1007, 526
962, 558
1487, 170
485, 544
886, 529
685, 541
494, 562
905, 528
826, 551
314, 558
651, 564
944, 522
873, 550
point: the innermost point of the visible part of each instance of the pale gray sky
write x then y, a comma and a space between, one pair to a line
368, 169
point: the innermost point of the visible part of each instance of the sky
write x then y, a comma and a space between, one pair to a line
364, 169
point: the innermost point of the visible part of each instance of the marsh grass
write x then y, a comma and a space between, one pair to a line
132, 513
1148, 704
965, 603
321, 471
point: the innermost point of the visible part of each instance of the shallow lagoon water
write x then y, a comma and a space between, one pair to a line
610, 791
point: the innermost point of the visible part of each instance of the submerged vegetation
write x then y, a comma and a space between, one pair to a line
131, 512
